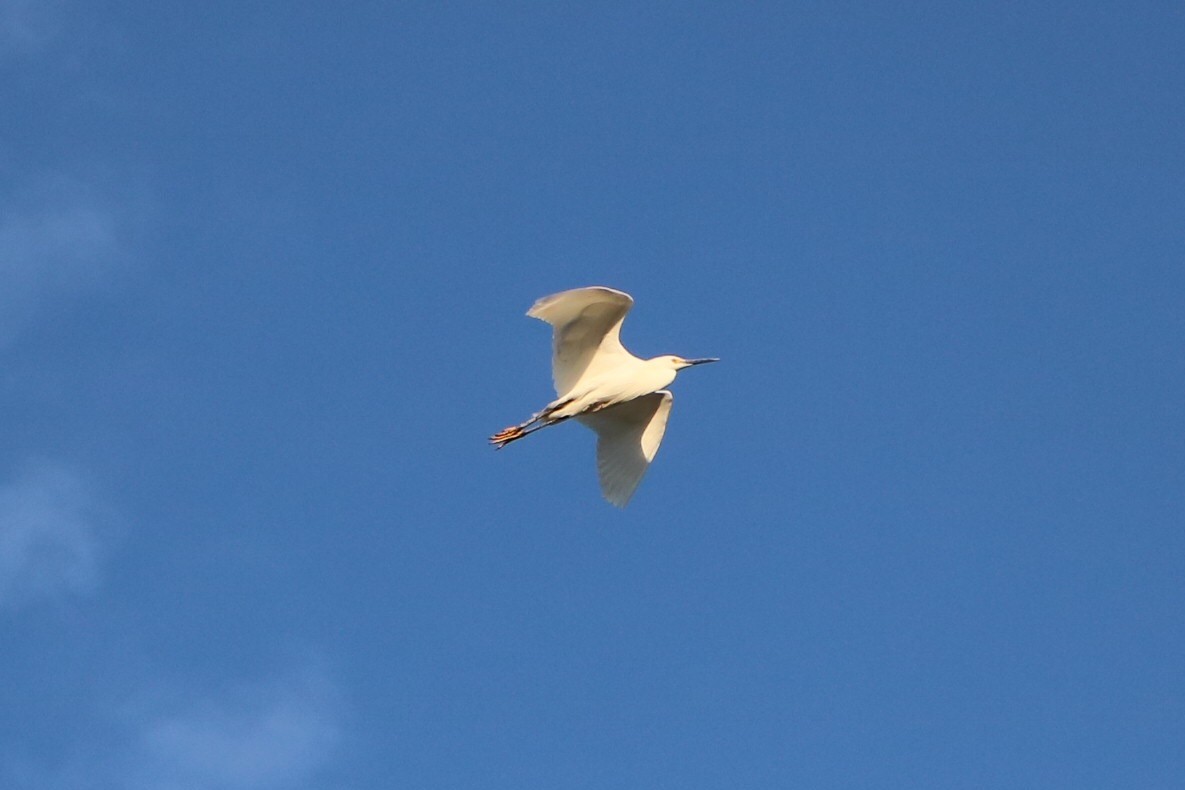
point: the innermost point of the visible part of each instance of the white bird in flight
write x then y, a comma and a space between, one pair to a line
605, 387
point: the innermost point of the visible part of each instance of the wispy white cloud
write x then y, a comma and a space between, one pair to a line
50, 535
54, 239
276, 733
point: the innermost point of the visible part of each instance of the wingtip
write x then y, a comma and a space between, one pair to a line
619, 499
536, 309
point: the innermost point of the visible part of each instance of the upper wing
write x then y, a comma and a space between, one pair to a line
628, 436
587, 324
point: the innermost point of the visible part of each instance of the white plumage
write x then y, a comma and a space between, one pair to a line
619, 396
587, 324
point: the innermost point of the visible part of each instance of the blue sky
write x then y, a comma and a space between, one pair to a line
263, 270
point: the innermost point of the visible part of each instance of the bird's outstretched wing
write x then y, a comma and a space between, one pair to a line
628, 436
587, 324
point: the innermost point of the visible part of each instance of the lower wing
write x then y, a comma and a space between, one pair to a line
628, 436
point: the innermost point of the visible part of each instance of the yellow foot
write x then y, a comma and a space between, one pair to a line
506, 435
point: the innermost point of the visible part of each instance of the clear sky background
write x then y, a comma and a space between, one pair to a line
263, 270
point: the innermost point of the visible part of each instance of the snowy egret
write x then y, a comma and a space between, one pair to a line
605, 387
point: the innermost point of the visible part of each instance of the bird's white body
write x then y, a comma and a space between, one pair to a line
630, 378
619, 396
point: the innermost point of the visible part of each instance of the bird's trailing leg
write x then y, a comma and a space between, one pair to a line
537, 422
513, 433
508, 435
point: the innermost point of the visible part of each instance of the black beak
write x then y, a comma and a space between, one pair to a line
703, 361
